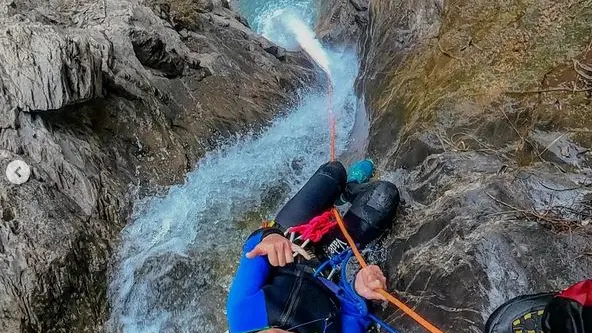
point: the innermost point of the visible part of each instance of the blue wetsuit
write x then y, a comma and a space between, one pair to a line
263, 297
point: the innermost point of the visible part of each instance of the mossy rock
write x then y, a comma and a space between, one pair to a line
510, 59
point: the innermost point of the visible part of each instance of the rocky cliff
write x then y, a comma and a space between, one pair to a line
106, 100
481, 113
342, 22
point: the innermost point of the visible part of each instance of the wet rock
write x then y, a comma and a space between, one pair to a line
359, 5
362, 19
342, 23
242, 20
151, 52
460, 226
276, 51
47, 69
559, 148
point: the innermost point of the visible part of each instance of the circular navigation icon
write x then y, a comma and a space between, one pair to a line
18, 172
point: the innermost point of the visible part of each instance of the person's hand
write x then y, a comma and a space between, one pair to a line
274, 330
278, 249
368, 280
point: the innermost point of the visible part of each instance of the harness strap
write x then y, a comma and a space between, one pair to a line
345, 292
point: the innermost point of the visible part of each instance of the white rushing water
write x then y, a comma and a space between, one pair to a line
179, 251
267, 16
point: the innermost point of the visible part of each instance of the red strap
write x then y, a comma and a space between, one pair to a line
316, 228
579, 292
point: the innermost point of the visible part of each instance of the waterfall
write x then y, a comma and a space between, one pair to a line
178, 253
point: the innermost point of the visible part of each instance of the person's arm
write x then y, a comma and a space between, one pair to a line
252, 272
246, 306
246, 311
367, 281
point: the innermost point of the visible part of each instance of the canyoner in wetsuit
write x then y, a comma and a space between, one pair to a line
272, 292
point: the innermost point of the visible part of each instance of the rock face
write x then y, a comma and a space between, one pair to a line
104, 99
45, 69
480, 112
342, 23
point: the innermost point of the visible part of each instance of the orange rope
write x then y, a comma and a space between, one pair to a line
408, 311
393, 300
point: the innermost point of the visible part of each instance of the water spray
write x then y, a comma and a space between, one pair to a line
312, 46
308, 41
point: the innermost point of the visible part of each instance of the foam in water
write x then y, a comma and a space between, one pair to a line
266, 17
179, 251
308, 41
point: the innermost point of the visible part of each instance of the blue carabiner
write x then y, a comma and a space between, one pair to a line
351, 295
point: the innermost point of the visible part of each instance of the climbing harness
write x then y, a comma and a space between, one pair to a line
268, 224
393, 300
340, 260
326, 320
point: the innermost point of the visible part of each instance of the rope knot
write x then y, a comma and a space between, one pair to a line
316, 228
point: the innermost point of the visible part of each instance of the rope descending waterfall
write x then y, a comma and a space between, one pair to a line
393, 300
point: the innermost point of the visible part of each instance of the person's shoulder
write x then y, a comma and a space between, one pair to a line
265, 231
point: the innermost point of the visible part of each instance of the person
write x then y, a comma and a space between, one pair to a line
275, 292
569, 311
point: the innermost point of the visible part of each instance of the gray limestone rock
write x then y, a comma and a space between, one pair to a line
47, 68
343, 23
